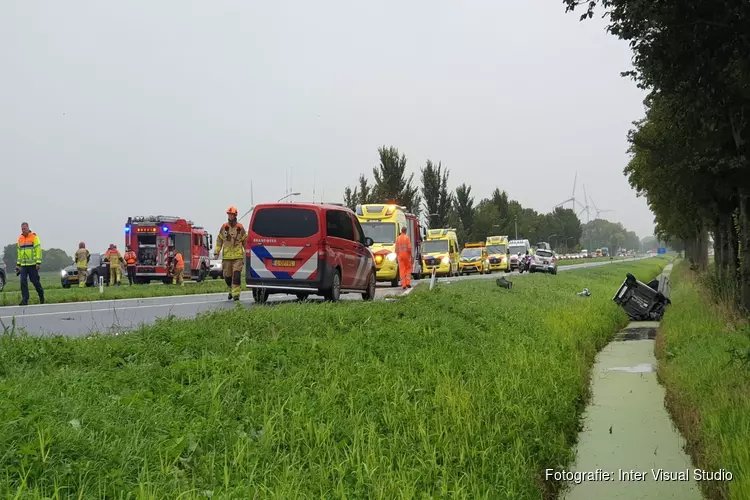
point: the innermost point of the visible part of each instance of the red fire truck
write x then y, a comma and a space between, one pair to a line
153, 237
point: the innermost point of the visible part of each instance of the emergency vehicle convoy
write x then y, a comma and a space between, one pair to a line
383, 223
474, 259
152, 238
498, 253
440, 252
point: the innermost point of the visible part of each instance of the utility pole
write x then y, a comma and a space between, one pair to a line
515, 220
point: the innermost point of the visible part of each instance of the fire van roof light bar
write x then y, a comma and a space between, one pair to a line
158, 218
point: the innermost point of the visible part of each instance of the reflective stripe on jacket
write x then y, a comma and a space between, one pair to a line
232, 241
179, 262
130, 258
29, 250
113, 256
403, 245
82, 258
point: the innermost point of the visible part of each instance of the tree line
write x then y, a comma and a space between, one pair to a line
440, 206
690, 154
53, 259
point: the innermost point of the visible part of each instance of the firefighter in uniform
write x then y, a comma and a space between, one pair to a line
115, 260
28, 262
403, 252
82, 264
130, 261
231, 240
178, 269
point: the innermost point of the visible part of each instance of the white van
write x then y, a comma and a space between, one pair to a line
518, 246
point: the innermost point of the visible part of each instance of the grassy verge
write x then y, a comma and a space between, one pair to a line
54, 293
708, 393
570, 262
466, 391
75, 294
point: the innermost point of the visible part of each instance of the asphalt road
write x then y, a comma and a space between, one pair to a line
75, 319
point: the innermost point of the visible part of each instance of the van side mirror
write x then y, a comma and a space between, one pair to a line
368, 241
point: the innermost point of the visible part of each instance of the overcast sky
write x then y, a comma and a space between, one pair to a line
111, 109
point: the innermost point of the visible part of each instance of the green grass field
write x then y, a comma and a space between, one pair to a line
708, 393
466, 391
55, 293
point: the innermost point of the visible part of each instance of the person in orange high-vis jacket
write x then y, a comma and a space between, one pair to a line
403, 252
130, 261
178, 269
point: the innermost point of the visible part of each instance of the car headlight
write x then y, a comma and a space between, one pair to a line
391, 256
63, 273
446, 260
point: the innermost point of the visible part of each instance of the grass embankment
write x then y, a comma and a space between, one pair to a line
708, 393
466, 391
54, 293
570, 262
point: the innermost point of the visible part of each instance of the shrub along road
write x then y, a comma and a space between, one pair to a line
83, 318
466, 391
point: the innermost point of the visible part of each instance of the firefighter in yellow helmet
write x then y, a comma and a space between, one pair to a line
231, 242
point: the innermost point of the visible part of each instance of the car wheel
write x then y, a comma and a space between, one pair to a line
260, 295
395, 281
94, 280
302, 296
370, 293
66, 285
335, 292
2, 282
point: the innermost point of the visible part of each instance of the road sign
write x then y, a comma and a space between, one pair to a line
661, 250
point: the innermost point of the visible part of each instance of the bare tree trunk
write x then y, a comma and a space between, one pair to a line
702, 247
719, 246
744, 256
731, 240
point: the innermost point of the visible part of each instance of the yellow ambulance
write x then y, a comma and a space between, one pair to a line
383, 222
474, 259
498, 253
440, 252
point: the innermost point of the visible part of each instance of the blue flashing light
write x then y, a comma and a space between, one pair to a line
165, 229
127, 229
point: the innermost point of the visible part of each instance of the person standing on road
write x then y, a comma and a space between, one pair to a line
28, 262
82, 264
115, 260
231, 239
403, 252
130, 260
178, 269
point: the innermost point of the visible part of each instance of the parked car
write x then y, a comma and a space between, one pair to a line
543, 261
306, 248
3, 276
97, 267
215, 271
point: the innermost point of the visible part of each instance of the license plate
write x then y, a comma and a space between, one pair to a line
284, 263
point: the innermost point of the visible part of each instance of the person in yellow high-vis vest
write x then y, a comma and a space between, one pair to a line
28, 262
231, 242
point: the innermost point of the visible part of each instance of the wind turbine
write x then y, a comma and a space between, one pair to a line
573, 197
598, 210
586, 206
